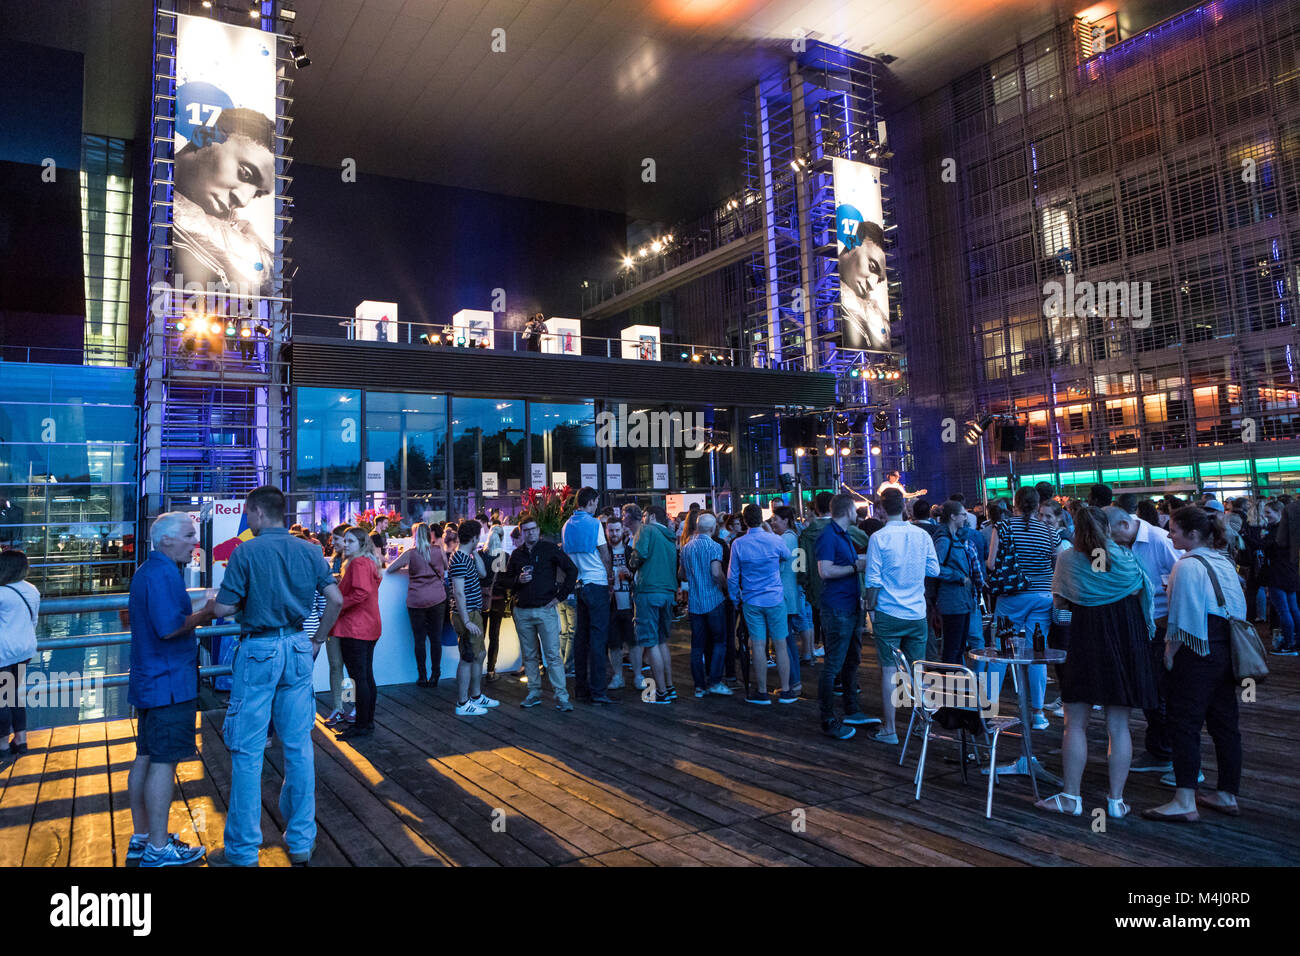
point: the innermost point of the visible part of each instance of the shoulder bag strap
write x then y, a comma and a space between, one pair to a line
1214, 579
24, 600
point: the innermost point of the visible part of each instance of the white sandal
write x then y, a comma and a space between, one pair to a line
1053, 803
1117, 809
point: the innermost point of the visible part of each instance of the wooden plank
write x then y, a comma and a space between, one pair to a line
18, 804
92, 809
49, 839
119, 736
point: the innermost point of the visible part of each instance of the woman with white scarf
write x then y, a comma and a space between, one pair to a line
1202, 688
1108, 595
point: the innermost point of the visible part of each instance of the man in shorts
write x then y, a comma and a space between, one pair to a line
163, 688
466, 573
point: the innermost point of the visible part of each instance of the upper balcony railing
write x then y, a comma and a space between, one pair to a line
445, 336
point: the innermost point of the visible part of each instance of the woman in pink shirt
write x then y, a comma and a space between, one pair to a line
426, 599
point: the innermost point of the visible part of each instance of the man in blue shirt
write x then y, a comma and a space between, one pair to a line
754, 577
163, 687
839, 566
701, 563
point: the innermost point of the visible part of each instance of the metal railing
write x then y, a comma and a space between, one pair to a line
89, 604
445, 336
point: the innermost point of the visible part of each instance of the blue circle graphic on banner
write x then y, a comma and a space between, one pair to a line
847, 216
197, 107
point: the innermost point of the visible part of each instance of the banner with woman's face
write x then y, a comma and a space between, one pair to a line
224, 197
860, 243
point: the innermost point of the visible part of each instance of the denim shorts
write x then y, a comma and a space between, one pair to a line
765, 622
801, 621
165, 733
653, 618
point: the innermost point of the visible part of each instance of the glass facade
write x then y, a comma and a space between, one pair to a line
1169, 164
444, 456
68, 474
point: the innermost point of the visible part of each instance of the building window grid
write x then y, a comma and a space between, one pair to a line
1166, 209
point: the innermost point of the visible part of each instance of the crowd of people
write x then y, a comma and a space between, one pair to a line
1141, 594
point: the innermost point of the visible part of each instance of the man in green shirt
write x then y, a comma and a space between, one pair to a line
656, 586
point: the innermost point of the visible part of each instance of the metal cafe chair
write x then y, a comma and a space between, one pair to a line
969, 715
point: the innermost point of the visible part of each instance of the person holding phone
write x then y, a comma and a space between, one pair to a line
541, 576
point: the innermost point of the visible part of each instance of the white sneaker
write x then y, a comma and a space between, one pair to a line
721, 689
1056, 708
640, 683
470, 709
1041, 722
484, 701
1117, 809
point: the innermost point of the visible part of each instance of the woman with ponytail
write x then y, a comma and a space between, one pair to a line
1109, 598
1201, 686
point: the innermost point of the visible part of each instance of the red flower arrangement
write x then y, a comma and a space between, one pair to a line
549, 507
366, 519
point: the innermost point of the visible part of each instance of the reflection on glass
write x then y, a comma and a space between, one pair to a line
327, 438
563, 438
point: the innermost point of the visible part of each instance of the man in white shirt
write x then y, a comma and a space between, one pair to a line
891, 481
1157, 555
900, 556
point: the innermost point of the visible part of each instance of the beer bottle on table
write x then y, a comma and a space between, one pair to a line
1040, 641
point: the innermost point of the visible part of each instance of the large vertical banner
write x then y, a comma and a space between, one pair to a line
223, 215
860, 242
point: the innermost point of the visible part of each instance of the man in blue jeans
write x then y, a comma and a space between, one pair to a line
838, 566
272, 582
584, 542
754, 577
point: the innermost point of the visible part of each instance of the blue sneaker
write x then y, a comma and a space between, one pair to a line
175, 853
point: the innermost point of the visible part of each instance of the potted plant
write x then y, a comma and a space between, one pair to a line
550, 508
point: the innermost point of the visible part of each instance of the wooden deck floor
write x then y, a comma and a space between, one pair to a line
702, 782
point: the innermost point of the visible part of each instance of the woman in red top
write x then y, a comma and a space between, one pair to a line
426, 598
358, 625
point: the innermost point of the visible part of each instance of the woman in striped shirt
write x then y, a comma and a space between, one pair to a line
1035, 546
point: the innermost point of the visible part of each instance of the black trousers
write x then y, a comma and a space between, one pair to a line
729, 618
1203, 691
492, 622
427, 624
359, 659
1158, 743
955, 627
14, 719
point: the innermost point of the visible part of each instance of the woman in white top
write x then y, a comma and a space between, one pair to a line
1202, 690
20, 605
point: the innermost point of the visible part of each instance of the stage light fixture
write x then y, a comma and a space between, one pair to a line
254, 11
800, 452
642, 252
262, 329
628, 262
460, 341
244, 333
729, 449
656, 246
300, 58
288, 16
180, 325
855, 372
207, 4
829, 451
695, 357
880, 422
845, 450
215, 328
231, 330
875, 449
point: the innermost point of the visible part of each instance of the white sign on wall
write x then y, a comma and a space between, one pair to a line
490, 482
539, 475
660, 476
589, 476
559, 479
374, 476
613, 476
